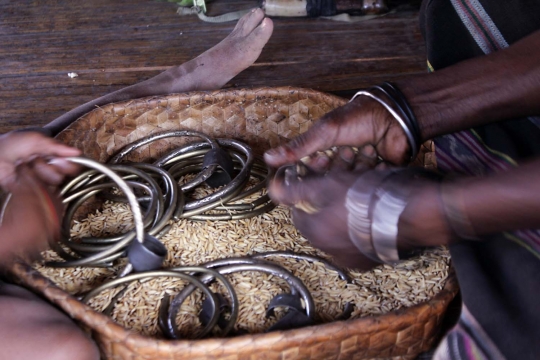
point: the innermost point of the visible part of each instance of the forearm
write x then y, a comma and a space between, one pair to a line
502, 85
502, 202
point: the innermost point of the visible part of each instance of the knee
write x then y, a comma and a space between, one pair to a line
32, 329
69, 343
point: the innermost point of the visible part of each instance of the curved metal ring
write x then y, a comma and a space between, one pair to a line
162, 273
201, 177
349, 307
246, 264
135, 208
226, 193
167, 318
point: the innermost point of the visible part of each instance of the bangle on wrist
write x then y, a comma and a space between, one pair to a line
391, 199
397, 116
359, 206
393, 100
373, 216
402, 102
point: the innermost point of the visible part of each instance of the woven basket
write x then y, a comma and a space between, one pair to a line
263, 118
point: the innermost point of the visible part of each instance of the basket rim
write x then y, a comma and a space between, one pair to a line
106, 326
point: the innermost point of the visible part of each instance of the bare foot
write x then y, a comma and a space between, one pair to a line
214, 68
209, 71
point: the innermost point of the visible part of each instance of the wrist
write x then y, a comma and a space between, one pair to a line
422, 96
383, 213
423, 222
396, 140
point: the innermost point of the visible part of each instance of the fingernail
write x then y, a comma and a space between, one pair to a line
56, 161
273, 153
346, 154
369, 151
322, 162
290, 176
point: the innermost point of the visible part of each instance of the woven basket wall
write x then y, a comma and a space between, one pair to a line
263, 118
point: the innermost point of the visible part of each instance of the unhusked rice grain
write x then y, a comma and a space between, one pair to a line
380, 290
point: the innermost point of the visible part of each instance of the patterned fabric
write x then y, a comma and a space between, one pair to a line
465, 152
500, 318
467, 341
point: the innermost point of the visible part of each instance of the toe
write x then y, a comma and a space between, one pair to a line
263, 32
249, 22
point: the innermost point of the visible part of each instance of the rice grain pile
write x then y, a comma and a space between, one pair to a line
380, 290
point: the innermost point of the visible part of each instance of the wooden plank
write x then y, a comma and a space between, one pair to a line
112, 44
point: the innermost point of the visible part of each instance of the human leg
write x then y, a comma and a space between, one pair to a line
32, 329
209, 71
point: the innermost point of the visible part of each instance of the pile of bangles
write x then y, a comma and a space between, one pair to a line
156, 197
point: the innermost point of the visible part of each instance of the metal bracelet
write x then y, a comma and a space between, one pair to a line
359, 204
408, 133
390, 203
169, 310
135, 208
161, 273
390, 199
349, 307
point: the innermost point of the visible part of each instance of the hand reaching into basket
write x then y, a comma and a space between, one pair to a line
364, 216
361, 122
31, 208
334, 208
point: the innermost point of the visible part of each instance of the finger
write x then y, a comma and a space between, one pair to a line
49, 147
288, 189
344, 159
64, 166
318, 163
317, 138
26, 145
8, 176
47, 173
366, 158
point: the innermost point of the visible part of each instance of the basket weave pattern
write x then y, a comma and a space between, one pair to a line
263, 118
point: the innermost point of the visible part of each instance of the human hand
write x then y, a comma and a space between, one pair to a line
25, 147
317, 202
335, 211
30, 218
361, 122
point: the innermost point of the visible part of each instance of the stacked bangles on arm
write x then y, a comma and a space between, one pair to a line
373, 215
393, 100
375, 203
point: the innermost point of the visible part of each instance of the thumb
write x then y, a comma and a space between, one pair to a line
318, 137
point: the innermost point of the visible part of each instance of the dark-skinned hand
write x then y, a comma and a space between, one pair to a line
25, 147
317, 202
358, 123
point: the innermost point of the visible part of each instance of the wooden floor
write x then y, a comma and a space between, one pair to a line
114, 43
111, 44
